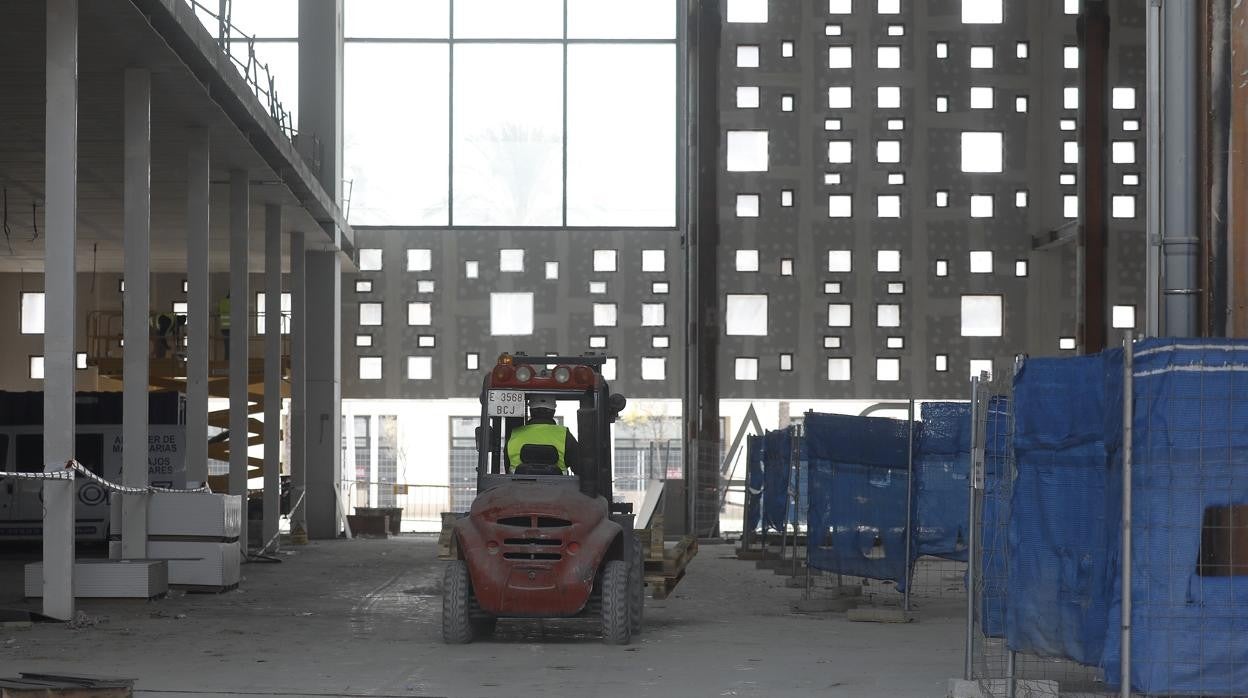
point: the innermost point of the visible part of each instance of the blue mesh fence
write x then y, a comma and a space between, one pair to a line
1058, 584
941, 467
1189, 590
778, 510
858, 495
753, 482
995, 515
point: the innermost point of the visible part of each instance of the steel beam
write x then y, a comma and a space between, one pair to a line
198, 344
1093, 196
240, 328
272, 372
1237, 205
60, 288
701, 402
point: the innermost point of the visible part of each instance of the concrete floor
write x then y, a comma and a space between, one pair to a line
361, 618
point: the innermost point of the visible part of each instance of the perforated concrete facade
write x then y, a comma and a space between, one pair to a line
906, 254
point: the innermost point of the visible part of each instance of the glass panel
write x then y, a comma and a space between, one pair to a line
508, 133
621, 135
275, 19
509, 19
396, 19
396, 181
636, 19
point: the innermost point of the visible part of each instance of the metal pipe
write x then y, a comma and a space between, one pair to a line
1128, 409
1152, 167
796, 458
972, 573
1236, 266
1179, 158
905, 599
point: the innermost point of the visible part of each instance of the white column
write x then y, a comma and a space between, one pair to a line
136, 308
60, 237
240, 327
272, 371
198, 343
298, 387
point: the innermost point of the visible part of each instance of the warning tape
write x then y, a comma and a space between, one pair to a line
73, 467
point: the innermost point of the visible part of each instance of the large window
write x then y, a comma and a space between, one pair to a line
462, 464
508, 113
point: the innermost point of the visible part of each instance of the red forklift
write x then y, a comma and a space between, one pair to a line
538, 543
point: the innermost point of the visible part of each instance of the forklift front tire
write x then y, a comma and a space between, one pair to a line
457, 625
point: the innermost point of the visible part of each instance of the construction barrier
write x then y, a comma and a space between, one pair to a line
1161, 428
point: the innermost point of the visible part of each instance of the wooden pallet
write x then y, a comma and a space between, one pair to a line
446, 539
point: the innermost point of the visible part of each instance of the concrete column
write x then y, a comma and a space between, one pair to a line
324, 395
197, 305
240, 327
298, 387
272, 371
137, 308
320, 100
60, 237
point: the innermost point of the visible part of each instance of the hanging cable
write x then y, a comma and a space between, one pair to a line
8, 239
34, 219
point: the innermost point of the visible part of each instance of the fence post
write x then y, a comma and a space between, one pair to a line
909, 503
795, 456
1128, 409
972, 538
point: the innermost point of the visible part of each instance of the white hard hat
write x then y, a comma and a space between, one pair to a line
542, 402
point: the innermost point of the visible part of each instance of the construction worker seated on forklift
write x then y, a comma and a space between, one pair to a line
541, 430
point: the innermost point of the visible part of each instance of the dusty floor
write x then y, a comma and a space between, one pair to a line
361, 618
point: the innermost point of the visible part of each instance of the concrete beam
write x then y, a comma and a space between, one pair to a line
197, 305
240, 327
60, 289
320, 100
137, 308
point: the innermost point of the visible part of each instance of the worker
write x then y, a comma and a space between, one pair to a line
164, 326
541, 430
223, 322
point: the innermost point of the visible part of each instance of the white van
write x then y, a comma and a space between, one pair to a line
97, 446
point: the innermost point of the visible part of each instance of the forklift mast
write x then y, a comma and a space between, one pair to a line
572, 377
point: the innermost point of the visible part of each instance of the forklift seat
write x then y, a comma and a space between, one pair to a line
538, 459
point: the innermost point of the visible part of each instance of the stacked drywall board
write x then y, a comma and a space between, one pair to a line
196, 533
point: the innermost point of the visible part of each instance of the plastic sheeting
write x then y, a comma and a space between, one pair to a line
858, 495
942, 492
778, 510
995, 518
753, 481
1058, 576
1189, 452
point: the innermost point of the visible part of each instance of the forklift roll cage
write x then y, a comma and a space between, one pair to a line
597, 410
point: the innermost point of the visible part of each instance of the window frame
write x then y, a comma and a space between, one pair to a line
679, 158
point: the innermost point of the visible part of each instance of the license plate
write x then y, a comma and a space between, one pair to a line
505, 403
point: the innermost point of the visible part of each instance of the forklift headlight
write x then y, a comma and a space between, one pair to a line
562, 374
524, 374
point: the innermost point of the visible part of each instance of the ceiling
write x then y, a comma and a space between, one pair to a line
114, 36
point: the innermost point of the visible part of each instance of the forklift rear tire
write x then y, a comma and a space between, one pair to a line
457, 625
616, 620
636, 588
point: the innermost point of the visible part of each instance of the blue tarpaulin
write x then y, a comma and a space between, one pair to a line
778, 510
1189, 458
1058, 583
753, 481
995, 518
858, 495
942, 491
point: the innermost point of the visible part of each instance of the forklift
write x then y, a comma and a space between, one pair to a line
539, 543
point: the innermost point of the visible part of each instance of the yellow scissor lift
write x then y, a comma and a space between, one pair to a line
167, 371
